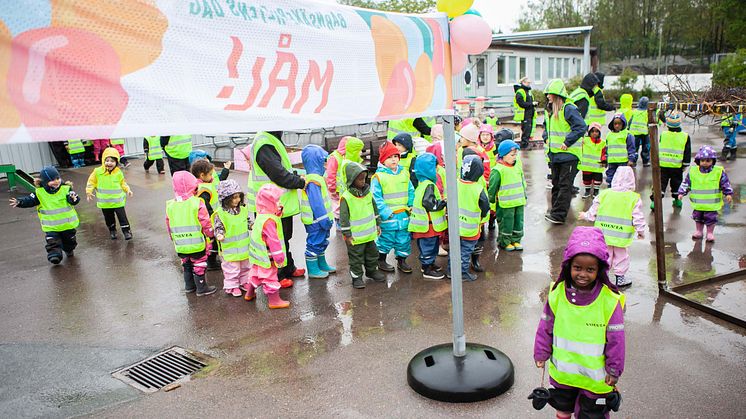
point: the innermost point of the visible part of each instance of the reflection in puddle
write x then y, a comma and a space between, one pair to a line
344, 315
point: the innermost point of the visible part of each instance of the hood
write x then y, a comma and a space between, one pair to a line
706, 152
227, 188
436, 149
618, 115
353, 170
436, 132
589, 81
624, 179
600, 76
353, 149
595, 125
424, 167
110, 152
643, 103
48, 174
625, 101
487, 128
518, 86
268, 198
314, 159
405, 140
198, 154
342, 146
472, 168
588, 240
185, 185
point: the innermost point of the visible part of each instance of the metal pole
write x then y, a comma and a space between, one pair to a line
660, 252
587, 53
454, 241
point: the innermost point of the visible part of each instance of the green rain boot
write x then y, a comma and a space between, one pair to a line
677, 203
325, 266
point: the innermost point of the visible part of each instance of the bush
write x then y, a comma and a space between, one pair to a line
730, 71
573, 83
626, 81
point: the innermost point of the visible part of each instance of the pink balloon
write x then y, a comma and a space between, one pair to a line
458, 60
471, 34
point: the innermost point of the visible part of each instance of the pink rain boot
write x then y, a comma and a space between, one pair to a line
274, 301
698, 234
711, 233
250, 292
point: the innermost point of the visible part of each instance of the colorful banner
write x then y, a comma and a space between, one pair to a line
112, 68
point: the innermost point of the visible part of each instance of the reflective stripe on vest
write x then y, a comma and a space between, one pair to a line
706, 194
186, 230
557, 130
401, 126
155, 151
594, 113
235, 245
614, 216
579, 339
616, 147
671, 149
512, 192
420, 219
257, 178
109, 192
55, 213
638, 124
258, 251
395, 189
179, 146
117, 141
306, 212
590, 159
362, 218
469, 214
75, 146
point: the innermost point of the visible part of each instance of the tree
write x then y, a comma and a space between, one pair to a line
403, 6
626, 81
730, 71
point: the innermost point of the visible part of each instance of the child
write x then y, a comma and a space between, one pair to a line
707, 184
731, 125
76, 149
349, 149
204, 171
593, 160
267, 247
54, 201
407, 156
316, 212
487, 141
581, 331
675, 151
436, 148
618, 213
469, 139
359, 221
99, 146
620, 146
111, 191
118, 143
153, 153
508, 190
473, 207
189, 226
393, 194
428, 219
638, 126
231, 224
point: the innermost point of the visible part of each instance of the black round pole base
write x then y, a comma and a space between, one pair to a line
482, 374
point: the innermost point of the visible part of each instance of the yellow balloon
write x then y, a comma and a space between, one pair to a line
454, 7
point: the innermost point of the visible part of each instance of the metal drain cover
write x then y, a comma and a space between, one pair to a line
167, 367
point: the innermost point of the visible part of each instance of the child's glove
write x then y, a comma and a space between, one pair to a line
130, 193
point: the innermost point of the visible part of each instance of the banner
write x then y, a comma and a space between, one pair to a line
113, 68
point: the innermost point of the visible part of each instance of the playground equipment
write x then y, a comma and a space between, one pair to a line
17, 177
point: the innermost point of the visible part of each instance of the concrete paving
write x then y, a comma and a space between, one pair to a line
338, 351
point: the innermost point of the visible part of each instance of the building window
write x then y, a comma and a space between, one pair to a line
522, 67
537, 69
481, 65
577, 66
512, 61
500, 70
566, 68
550, 68
558, 68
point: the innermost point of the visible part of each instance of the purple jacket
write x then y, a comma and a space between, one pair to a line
589, 240
725, 186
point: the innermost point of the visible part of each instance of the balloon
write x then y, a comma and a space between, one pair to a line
473, 12
454, 7
458, 60
470, 34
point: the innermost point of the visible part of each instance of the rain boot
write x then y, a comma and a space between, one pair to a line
325, 266
357, 282
212, 262
698, 233
113, 233
127, 233
401, 263
189, 285
203, 288
587, 193
710, 233
475, 263
274, 301
250, 292
383, 265
677, 203
376, 275
313, 268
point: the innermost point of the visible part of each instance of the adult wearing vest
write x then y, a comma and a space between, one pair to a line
674, 155
270, 164
563, 130
638, 127
416, 127
524, 109
153, 153
429, 122
589, 99
177, 149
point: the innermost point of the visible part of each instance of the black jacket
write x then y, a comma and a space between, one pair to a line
527, 104
270, 162
32, 200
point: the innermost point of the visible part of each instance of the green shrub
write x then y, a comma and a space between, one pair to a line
730, 71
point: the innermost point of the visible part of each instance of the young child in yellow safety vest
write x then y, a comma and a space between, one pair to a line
111, 190
618, 213
427, 222
592, 160
580, 337
507, 190
203, 169
316, 212
55, 201
231, 224
706, 184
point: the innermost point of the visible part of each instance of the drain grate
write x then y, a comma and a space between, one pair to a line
152, 374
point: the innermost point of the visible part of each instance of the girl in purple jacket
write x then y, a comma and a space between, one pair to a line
581, 331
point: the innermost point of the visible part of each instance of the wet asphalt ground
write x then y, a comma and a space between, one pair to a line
338, 351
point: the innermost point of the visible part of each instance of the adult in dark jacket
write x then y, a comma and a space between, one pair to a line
525, 101
591, 87
177, 149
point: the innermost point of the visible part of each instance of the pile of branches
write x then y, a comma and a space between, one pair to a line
718, 102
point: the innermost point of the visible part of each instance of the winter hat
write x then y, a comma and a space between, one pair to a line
436, 132
589, 240
705, 152
643, 103
199, 154
486, 128
405, 140
673, 120
504, 134
505, 147
470, 133
387, 150
227, 188
48, 174
595, 125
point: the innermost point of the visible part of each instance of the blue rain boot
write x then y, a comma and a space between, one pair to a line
312, 266
325, 266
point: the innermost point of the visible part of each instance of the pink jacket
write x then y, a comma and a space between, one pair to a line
185, 187
267, 202
332, 165
436, 148
624, 181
